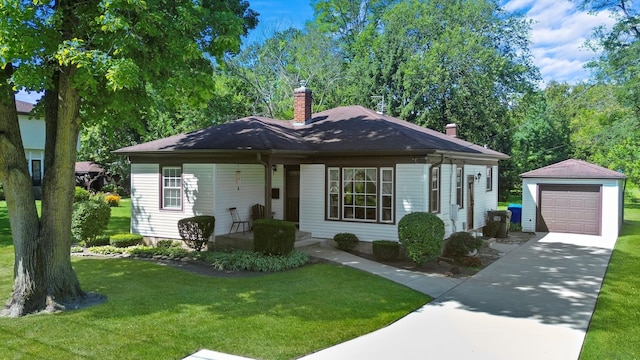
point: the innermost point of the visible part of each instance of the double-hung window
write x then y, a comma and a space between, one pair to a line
489, 178
360, 194
434, 190
171, 187
459, 188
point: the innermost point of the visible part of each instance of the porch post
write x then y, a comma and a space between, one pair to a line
267, 189
267, 184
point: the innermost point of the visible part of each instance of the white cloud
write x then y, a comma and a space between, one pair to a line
558, 35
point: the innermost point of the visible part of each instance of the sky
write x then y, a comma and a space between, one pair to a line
557, 35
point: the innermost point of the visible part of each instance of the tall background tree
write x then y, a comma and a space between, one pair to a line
618, 69
94, 60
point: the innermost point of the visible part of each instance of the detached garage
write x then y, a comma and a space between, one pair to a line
573, 196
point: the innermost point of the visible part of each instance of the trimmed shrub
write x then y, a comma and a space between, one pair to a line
100, 240
166, 244
114, 189
1, 193
112, 200
460, 244
346, 241
242, 260
170, 252
81, 195
273, 236
386, 250
491, 229
421, 234
89, 219
125, 240
195, 231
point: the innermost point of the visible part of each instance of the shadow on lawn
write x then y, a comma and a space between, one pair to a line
136, 288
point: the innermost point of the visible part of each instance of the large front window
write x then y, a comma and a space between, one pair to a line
171, 187
360, 194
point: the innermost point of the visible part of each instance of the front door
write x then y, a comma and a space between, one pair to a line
470, 183
292, 193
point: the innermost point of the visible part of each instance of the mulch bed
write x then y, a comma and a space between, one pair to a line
456, 268
446, 267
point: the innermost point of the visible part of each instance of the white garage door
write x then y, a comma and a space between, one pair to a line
570, 209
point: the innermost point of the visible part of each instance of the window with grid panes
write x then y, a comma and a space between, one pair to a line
360, 194
434, 187
489, 178
171, 187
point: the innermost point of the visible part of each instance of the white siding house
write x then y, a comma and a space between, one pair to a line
33, 133
347, 169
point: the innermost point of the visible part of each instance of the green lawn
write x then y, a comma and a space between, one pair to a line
157, 312
614, 331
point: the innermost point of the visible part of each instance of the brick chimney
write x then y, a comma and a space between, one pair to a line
452, 130
302, 100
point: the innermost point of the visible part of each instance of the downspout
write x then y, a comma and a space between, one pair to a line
267, 184
451, 216
624, 191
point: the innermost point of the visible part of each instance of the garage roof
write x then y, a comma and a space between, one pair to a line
573, 169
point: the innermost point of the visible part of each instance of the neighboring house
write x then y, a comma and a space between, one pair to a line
33, 133
33, 136
90, 175
348, 169
573, 196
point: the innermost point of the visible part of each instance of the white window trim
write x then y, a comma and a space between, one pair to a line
460, 187
379, 183
436, 189
164, 187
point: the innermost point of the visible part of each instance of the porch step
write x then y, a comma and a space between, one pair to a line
302, 235
307, 242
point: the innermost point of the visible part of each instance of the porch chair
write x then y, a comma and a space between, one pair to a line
257, 212
237, 221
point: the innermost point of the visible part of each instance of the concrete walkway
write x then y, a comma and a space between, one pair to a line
433, 285
534, 303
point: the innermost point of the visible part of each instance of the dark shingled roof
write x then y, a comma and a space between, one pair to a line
573, 169
342, 129
88, 167
23, 107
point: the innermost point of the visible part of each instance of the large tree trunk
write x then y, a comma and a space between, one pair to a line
44, 279
29, 289
62, 117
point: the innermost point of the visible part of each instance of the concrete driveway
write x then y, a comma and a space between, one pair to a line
534, 303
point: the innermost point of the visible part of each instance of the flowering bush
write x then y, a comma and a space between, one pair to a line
112, 200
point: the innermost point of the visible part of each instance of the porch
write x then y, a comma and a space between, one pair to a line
244, 241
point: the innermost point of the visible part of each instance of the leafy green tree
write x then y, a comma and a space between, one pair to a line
441, 62
99, 138
542, 136
272, 69
618, 67
93, 60
345, 20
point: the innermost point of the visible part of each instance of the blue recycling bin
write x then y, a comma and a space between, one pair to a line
516, 213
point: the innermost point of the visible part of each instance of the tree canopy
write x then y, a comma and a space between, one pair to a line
96, 61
